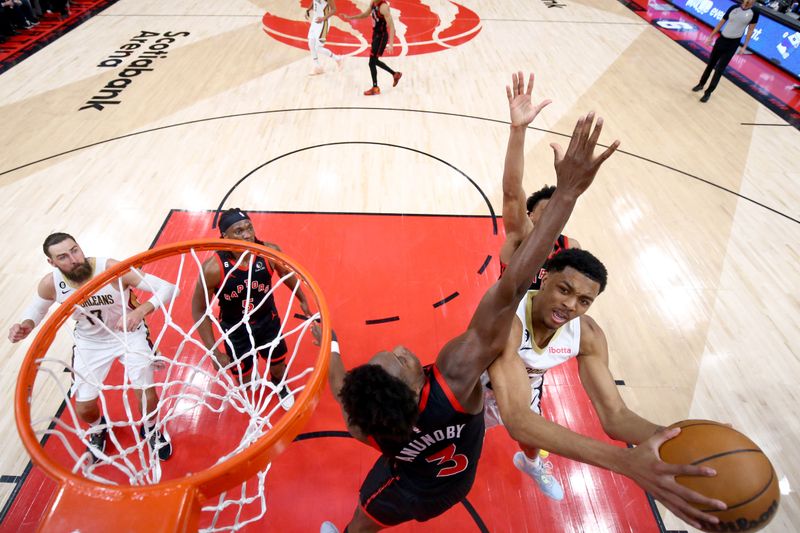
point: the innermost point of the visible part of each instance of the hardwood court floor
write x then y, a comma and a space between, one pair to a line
696, 219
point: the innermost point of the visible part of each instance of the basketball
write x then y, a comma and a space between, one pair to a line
745, 479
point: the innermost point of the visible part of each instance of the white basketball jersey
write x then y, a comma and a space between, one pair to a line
102, 310
564, 345
319, 8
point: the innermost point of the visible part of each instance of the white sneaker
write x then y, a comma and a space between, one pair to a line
316, 71
328, 527
286, 398
339, 62
542, 474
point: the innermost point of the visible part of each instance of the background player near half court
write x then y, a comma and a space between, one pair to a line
319, 14
382, 40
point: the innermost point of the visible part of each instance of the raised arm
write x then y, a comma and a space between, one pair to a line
515, 220
619, 422
33, 314
463, 359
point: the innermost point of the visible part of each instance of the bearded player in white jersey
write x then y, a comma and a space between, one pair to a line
102, 334
552, 327
318, 13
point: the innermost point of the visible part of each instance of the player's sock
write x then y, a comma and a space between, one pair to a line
542, 474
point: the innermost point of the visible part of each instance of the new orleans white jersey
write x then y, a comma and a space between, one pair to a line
101, 311
564, 345
319, 8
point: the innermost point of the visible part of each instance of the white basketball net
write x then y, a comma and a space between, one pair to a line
204, 411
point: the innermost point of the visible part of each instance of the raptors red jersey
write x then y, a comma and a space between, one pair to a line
243, 288
446, 443
378, 20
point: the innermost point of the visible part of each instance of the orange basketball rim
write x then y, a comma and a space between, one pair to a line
174, 505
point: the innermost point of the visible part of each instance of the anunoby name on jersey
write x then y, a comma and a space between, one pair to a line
144, 62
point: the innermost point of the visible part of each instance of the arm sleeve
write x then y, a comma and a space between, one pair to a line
755, 17
163, 291
37, 309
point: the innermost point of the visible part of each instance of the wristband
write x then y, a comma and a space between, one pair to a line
335, 347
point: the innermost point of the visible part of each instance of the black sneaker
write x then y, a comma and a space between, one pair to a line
697, 88
97, 441
705, 97
158, 443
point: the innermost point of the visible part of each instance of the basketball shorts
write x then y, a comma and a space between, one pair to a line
92, 361
379, 41
242, 347
390, 500
318, 31
491, 412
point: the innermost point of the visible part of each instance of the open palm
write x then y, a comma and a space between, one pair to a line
519, 101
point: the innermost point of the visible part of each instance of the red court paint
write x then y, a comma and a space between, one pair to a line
425, 31
373, 266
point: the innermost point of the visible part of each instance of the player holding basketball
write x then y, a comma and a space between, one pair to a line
550, 328
319, 12
222, 274
382, 40
102, 334
428, 421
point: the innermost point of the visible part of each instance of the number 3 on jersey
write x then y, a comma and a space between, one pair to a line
449, 455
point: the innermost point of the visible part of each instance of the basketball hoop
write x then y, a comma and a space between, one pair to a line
127, 487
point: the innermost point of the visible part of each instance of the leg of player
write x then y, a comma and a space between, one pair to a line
277, 370
360, 523
89, 412
530, 462
313, 45
148, 406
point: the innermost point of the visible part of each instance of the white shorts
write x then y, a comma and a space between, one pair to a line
318, 31
491, 413
92, 361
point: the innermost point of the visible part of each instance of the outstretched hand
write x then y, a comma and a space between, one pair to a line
646, 468
519, 101
576, 169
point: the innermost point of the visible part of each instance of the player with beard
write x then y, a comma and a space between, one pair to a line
222, 276
102, 334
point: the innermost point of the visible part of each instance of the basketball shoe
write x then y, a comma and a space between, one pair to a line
375, 90
316, 71
157, 442
339, 62
97, 440
396, 76
328, 527
286, 398
542, 474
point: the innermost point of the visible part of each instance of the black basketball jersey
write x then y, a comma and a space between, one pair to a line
234, 297
446, 443
562, 243
378, 20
